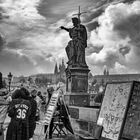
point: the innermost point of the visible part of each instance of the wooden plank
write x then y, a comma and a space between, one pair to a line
67, 117
51, 108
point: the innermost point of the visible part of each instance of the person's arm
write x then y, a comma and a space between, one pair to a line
64, 28
11, 110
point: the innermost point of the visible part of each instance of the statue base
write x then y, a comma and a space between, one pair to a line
77, 80
82, 100
77, 86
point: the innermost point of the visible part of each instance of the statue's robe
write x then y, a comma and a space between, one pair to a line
19, 111
76, 47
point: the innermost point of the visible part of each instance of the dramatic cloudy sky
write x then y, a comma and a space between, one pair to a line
31, 41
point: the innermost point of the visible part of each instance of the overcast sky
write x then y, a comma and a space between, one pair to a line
31, 41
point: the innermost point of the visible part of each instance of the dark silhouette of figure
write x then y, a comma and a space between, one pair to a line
32, 117
76, 47
19, 110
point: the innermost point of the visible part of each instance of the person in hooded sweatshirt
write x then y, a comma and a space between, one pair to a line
19, 110
32, 118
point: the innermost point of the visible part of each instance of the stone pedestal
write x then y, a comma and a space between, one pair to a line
77, 99
77, 86
84, 120
77, 80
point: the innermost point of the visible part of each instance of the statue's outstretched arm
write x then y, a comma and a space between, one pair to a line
64, 28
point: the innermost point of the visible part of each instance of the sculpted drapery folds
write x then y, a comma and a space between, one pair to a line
76, 46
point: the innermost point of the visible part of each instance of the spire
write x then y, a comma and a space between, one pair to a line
60, 67
62, 62
105, 72
63, 66
56, 69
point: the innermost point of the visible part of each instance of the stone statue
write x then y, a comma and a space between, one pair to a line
76, 46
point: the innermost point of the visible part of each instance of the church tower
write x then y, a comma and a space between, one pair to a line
56, 69
63, 66
106, 71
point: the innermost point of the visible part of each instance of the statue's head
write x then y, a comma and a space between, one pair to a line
75, 21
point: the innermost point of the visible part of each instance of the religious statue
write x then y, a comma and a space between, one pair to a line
76, 46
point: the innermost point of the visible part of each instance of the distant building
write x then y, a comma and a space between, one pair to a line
106, 71
53, 78
99, 81
61, 76
116, 77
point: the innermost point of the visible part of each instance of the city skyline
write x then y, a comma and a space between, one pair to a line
31, 41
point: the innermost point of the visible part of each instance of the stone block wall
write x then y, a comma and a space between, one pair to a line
84, 119
77, 99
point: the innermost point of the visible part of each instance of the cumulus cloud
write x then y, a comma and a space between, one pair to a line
10, 60
32, 35
29, 35
118, 33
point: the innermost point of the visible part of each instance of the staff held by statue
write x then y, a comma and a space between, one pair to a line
79, 14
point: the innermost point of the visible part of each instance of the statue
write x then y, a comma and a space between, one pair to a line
76, 47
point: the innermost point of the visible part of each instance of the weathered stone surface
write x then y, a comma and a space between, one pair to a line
77, 80
91, 127
77, 100
74, 112
84, 119
88, 114
83, 124
84, 113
